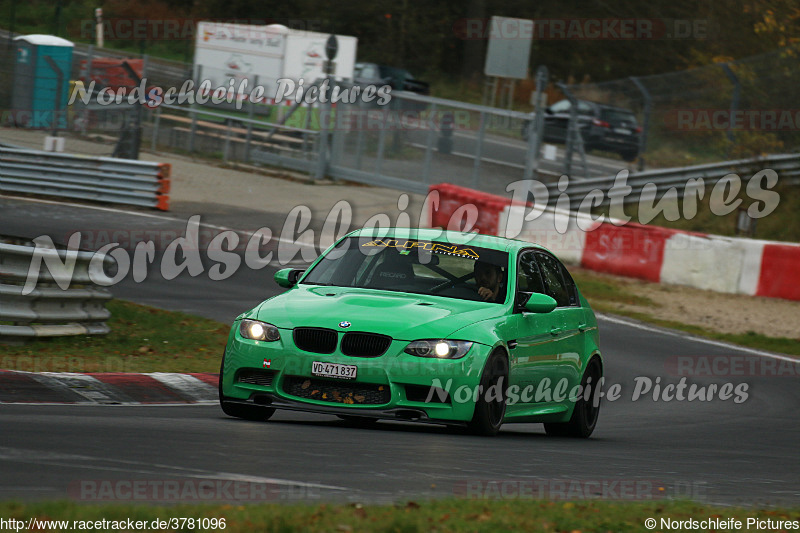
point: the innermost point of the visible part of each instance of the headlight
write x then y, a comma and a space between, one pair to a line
258, 331
439, 349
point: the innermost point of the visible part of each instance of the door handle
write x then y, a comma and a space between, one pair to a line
555, 331
583, 327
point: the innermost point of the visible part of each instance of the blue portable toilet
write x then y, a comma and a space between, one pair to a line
41, 81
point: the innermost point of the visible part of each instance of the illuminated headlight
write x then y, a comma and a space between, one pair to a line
439, 349
258, 331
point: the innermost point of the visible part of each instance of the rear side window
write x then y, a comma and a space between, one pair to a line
572, 289
553, 278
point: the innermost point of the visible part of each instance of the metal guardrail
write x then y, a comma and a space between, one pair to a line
49, 311
786, 165
104, 179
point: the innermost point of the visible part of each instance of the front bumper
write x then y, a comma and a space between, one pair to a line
404, 414
400, 382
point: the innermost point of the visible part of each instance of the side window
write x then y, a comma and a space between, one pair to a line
553, 280
529, 277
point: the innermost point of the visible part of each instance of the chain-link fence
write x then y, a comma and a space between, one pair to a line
725, 111
728, 110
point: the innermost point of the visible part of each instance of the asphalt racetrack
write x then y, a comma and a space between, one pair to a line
716, 451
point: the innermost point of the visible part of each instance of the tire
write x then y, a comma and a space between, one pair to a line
237, 410
489, 409
629, 156
584, 416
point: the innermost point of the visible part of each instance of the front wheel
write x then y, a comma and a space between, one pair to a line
237, 410
584, 416
490, 407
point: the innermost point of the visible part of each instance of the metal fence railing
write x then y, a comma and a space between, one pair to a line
735, 109
786, 167
104, 179
48, 310
418, 140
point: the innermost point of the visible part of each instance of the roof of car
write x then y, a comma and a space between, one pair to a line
452, 237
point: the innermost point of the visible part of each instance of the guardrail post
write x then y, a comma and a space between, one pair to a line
574, 135
193, 109
476, 166
536, 127
88, 77
648, 102
381, 142
306, 125
157, 123
337, 137
227, 141
322, 162
426, 166
250, 115
360, 134
737, 92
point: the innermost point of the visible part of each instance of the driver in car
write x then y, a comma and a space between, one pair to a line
489, 279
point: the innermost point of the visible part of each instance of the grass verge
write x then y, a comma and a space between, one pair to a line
439, 515
142, 339
607, 295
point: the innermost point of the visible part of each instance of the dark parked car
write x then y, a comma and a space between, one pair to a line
398, 78
602, 127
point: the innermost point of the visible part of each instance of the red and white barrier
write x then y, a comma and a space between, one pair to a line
652, 253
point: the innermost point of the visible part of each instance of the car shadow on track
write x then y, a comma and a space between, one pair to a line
511, 431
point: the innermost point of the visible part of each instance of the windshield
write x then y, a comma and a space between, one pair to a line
415, 266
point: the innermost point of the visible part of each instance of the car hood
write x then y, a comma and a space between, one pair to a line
402, 316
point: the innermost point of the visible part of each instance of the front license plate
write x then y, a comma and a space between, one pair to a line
333, 370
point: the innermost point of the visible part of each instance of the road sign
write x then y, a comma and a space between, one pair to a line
509, 48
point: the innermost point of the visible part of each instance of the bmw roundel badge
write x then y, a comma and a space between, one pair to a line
344, 324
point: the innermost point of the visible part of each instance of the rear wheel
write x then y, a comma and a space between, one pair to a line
584, 416
490, 407
629, 156
237, 410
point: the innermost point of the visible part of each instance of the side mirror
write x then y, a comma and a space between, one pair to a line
540, 303
287, 277
548, 110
